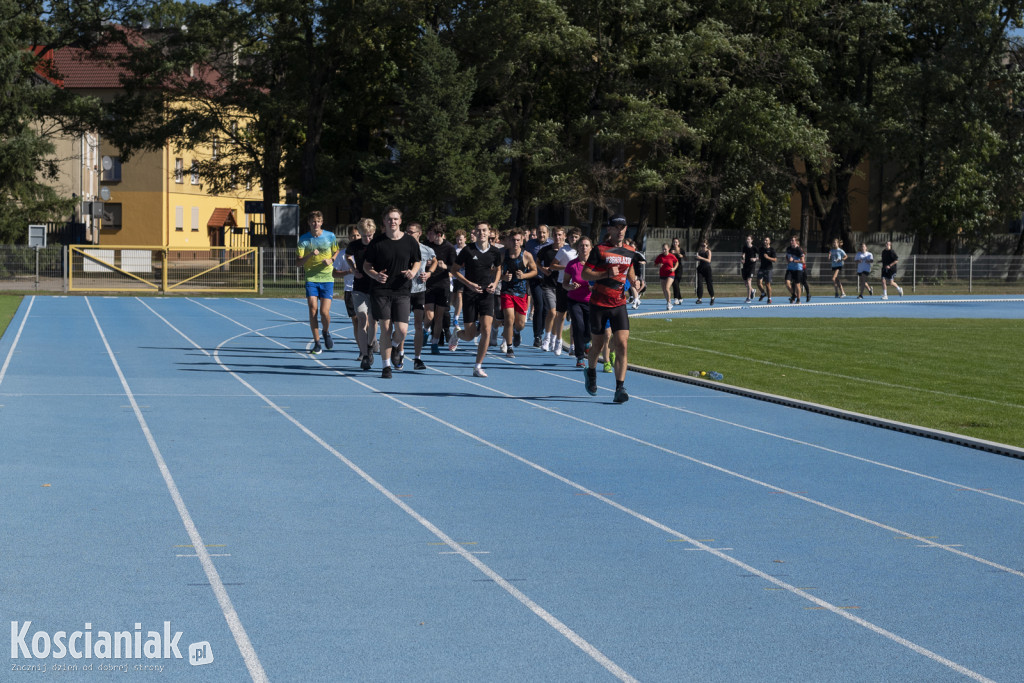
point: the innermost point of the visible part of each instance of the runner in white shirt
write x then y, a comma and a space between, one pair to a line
562, 259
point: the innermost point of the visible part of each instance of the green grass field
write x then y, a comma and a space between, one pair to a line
954, 375
8, 305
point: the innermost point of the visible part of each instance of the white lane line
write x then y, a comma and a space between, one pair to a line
245, 647
836, 375
800, 442
14, 344
822, 604
525, 600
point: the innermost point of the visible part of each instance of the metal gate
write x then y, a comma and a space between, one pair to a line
162, 269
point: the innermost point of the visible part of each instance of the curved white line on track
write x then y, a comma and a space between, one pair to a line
245, 647
456, 548
677, 534
14, 344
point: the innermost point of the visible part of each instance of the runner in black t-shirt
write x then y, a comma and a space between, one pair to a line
481, 264
391, 261
766, 255
748, 261
439, 285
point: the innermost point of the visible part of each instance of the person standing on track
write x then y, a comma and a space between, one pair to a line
536, 291
864, 259
836, 257
766, 255
392, 260
748, 261
667, 265
578, 291
676, 249
315, 254
795, 260
609, 266
418, 293
518, 268
889, 263
362, 291
481, 272
704, 273
548, 285
439, 285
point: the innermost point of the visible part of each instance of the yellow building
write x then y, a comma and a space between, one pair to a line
153, 199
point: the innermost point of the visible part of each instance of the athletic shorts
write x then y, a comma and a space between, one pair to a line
561, 300
549, 297
520, 304
889, 272
475, 306
794, 275
349, 305
765, 275
361, 302
439, 296
320, 290
747, 272
601, 317
388, 305
417, 299
839, 267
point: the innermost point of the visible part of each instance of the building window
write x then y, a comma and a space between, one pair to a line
179, 218
215, 150
194, 170
195, 219
179, 171
111, 216
111, 169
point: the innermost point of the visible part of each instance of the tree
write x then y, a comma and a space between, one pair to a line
440, 166
26, 150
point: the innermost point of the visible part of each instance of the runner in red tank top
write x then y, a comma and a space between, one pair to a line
609, 266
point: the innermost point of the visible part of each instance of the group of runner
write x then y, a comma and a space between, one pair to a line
494, 280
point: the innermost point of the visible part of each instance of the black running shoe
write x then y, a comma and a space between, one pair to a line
316, 348
517, 339
620, 395
386, 372
328, 342
365, 363
590, 380
418, 364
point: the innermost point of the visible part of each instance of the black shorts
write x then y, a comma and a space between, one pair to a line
747, 272
601, 316
475, 306
386, 304
439, 296
417, 299
349, 306
888, 272
561, 300
794, 275
765, 275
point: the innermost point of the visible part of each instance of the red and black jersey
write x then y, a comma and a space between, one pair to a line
609, 291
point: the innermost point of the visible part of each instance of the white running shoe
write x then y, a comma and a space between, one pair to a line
453, 343
636, 303
556, 348
899, 289
479, 372
545, 344
504, 345
376, 346
885, 297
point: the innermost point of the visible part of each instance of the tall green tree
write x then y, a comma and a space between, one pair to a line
440, 166
27, 164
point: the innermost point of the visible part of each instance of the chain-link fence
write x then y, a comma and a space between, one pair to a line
44, 270
32, 269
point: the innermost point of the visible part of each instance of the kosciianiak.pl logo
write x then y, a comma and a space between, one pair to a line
89, 644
